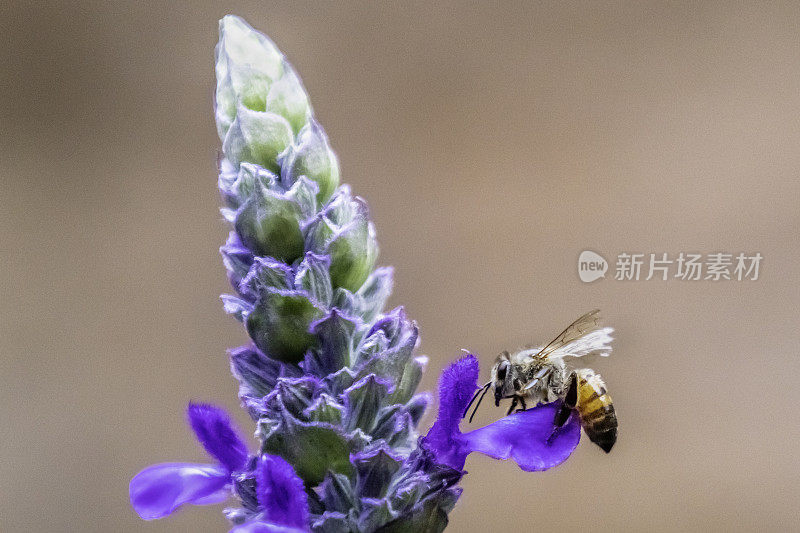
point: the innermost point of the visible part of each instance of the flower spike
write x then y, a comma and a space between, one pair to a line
328, 375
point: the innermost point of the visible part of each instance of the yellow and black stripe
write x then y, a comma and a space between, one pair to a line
596, 409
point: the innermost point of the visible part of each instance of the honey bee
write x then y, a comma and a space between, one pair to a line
539, 375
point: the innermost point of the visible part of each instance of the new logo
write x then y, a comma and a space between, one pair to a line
591, 266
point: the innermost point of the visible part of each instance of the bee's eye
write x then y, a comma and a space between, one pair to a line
501, 371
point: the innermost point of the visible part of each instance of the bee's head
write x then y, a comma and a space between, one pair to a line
501, 377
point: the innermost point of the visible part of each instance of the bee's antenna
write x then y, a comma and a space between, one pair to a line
485, 389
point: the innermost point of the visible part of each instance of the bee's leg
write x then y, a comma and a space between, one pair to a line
513, 405
481, 391
524, 406
567, 406
485, 389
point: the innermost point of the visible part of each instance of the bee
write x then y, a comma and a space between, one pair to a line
539, 375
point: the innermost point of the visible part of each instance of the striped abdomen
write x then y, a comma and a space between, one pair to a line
596, 410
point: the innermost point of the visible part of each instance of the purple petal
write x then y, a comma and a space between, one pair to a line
214, 430
158, 490
523, 438
457, 384
281, 493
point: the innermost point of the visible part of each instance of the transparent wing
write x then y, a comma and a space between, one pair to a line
582, 337
597, 342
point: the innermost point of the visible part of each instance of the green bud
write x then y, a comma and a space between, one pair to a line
353, 252
311, 448
288, 98
247, 63
318, 233
279, 325
313, 158
363, 400
304, 193
257, 137
337, 493
325, 409
269, 224
249, 178
338, 335
429, 516
374, 473
240, 44
344, 232
312, 276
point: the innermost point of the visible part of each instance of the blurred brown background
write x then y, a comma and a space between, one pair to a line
494, 143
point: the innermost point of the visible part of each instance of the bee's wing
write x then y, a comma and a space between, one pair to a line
582, 337
597, 342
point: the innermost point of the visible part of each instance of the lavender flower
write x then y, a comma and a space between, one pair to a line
158, 490
523, 437
329, 377
281, 495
